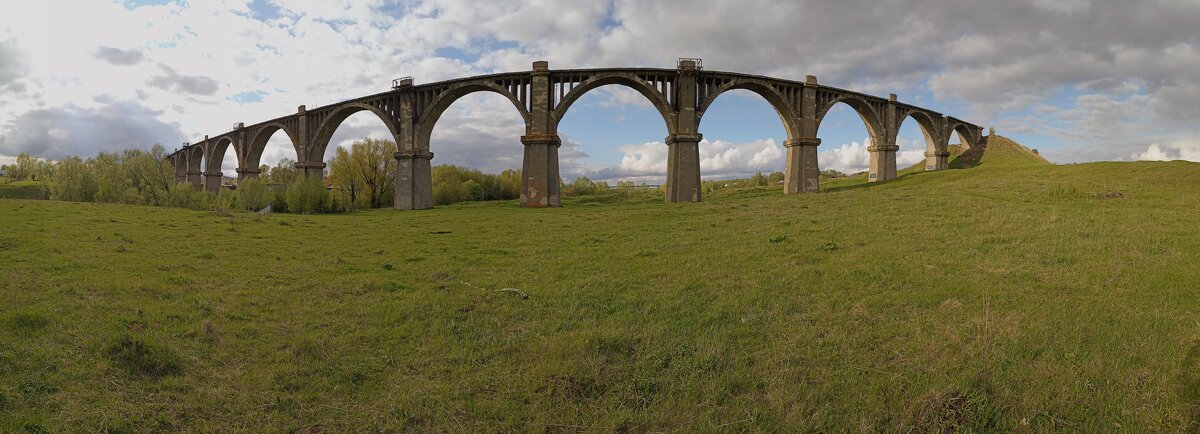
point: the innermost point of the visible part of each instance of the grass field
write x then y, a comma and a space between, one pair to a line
1013, 296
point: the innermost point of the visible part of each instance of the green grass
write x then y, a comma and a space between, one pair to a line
1008, 297
22, 189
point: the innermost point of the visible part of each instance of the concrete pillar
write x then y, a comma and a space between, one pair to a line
196, 178
802, 174
244, 174
414, 180
311, 169
937, 160
539, 171
883, 162
181, 169
212, 181
539, 168
683, 167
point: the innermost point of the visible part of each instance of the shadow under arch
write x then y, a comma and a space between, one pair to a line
439, 106
657, 99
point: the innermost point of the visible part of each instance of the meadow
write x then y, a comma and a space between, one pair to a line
1014, 296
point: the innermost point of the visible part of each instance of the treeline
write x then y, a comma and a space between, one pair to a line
362, 176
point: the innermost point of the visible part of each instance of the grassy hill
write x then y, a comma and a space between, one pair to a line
1007, 297
22, 189
996, 150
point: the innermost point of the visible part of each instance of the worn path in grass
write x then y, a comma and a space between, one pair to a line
1007, 297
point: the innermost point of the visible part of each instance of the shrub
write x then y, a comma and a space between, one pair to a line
253, 194
307, 196
183, 195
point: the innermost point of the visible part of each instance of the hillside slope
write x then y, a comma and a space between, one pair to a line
996, 150
1031, 298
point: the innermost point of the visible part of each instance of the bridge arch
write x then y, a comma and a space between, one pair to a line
320, 141
969, 138
438, 106
657, 99
860, 105
764, 90
258, 144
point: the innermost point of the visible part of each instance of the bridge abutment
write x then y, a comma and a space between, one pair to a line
802, 173
539, 171
883, 163
683, 167
414, 180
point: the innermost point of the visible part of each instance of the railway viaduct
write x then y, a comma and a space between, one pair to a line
543, 96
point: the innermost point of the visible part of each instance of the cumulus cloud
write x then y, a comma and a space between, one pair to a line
1189, 151
117, 56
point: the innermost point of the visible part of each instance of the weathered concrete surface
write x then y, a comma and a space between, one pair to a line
542, 97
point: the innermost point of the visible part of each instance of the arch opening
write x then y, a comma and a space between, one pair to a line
433, 114
744, 137
610, 137
274, 151
656, 99
360, 166
477, 147
916, 138
846, 129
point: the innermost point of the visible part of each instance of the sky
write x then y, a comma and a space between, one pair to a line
1079, 80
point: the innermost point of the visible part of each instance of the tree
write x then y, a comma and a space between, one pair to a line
24, 168
341, 175
73, 181
282, 174
151, 173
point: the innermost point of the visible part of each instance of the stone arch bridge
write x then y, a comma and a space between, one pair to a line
543, 96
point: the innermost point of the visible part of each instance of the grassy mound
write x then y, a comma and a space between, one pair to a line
23, 190
1004, 298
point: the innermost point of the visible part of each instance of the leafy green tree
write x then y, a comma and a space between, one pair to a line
366, 172
73, 181
282, 174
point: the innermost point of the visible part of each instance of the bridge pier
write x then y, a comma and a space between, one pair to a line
802, 174
683, 167
311, 169
414, 180
939, 160
212, 181
195, 178
539, 171
883, 163
244, 174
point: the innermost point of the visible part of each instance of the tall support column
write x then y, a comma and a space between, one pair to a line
883, 162
244, 174
539, 168
311, 169
539, 171
802, 174
883, 145
414, 180
683, 143
181, 171
196, 178
937, 160
212, 181
683, 167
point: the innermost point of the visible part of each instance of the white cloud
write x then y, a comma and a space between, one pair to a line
1189, 151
